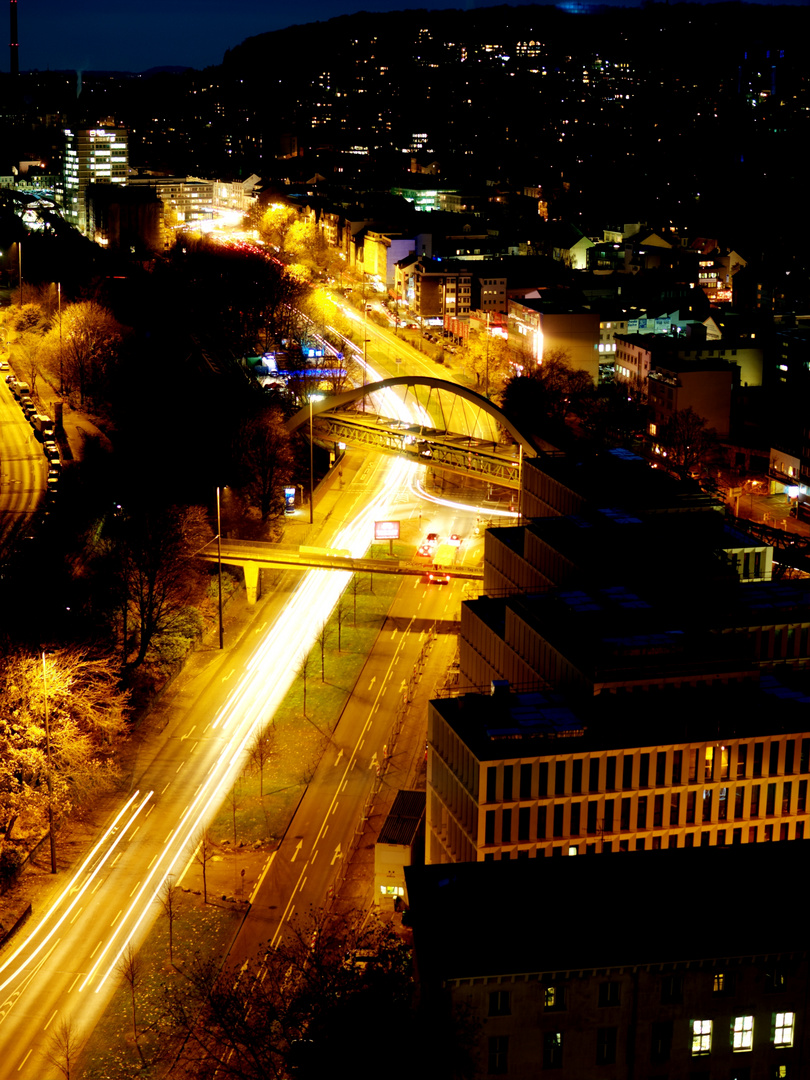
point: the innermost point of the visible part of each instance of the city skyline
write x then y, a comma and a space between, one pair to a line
92, 36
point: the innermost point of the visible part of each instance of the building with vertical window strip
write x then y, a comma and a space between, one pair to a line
564, 970
97, 155
514, 776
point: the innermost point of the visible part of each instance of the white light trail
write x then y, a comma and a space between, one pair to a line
261, 688
80, 890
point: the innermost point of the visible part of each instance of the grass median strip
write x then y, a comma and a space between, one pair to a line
251, 820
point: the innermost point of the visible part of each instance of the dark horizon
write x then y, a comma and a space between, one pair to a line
95, 36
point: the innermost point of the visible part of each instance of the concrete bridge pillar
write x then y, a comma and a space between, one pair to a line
251, 581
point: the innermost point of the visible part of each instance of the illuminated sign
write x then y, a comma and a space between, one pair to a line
386, 530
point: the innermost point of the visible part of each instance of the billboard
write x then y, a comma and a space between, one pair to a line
386, 530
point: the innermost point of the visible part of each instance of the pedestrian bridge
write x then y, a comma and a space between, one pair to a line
430, 420
252, 555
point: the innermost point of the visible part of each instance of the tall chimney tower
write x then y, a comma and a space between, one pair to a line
14, 47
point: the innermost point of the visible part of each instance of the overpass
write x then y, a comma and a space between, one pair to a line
457, 444
252, 555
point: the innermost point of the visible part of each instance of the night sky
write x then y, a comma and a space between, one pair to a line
135, 35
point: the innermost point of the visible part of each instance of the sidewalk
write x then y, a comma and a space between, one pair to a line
772, 510
406, 770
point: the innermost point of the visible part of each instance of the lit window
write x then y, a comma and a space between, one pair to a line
742, 1033
701, 1037
783, 1028
719, 981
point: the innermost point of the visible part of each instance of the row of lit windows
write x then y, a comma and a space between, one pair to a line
723, 984
742, 1033
517, 828
633, 769
741, 1040
720, 837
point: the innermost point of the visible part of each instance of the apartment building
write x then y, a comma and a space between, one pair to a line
98, 155
437, 289
538, 327
560, 968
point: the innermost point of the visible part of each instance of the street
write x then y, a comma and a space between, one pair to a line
64, 967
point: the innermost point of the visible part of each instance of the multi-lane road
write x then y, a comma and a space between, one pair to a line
66, 967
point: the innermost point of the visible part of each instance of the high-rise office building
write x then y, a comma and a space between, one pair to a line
97, 155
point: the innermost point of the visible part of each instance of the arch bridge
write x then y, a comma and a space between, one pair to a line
436, 422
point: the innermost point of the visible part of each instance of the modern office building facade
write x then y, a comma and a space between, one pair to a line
514, 776
98, 155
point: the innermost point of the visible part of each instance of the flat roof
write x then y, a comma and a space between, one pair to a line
540, 916
620, 478
404, 818
507, 726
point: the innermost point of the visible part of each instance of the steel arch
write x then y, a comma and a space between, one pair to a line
348, 397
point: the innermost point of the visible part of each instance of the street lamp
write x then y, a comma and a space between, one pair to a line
59, 301
48, 754
19, 257
365, 343
219, 568
311, 398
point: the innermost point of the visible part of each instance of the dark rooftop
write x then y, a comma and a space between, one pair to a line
404, 818
506, 726
542, 916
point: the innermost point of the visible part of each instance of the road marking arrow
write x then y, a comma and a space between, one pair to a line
337, 855
373, 680
295, 853
340, 755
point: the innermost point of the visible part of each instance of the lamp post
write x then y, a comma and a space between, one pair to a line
311, 465
365, 343
59, 302
219, 568
486, 383
48, 755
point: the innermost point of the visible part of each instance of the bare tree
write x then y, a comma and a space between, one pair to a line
203, 853
158, 557
260, 752
169, 897
323, 639
265, 460
689, 441
303, 673
91, 339
62, 1048
234, 805
355, 586
340, 616
129, 966
297, 1006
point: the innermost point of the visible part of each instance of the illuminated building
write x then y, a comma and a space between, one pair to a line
538, 327
185, 199
562, 969
97, 155
632, 664
529, 775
